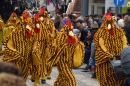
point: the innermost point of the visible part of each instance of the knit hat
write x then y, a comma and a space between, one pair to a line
121, 23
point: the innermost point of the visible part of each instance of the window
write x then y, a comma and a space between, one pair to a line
92, 9
100, 10
98, 1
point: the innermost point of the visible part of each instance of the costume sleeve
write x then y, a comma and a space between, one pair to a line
78, 55
55, 58
10, 53
10, 45
101, 43
36, 53
124, 41
102, 55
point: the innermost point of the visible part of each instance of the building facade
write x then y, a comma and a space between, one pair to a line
101, 6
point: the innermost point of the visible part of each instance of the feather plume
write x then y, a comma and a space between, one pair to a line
69, 23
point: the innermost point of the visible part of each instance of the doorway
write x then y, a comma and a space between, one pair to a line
97, 7
100, 10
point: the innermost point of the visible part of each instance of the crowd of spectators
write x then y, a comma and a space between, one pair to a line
86, 27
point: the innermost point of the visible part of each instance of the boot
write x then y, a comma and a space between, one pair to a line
93, 75
37, 80
48, 76
43, 80
33, 78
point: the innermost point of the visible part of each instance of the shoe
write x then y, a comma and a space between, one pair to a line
43, 81
48, 77
89, 67
93, 75
33, 80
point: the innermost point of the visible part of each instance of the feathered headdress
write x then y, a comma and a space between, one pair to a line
25, 15
14, 14
69, 23
42, 9
70, 39
109, 23
37, 26
108, 16
28, 31
36, 17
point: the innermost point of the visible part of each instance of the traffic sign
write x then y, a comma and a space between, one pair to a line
119, 2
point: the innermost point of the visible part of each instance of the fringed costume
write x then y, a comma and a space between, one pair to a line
47, 40
109, 41
1, 33
22, 49
10, 25
65, 57
43, 37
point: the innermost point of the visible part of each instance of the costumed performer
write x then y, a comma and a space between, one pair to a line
109, 41
1, 33
23, 50
10, 25
65, 57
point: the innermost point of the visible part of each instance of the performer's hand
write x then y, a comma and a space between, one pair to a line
111, 56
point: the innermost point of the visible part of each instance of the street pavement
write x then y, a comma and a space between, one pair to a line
83, 78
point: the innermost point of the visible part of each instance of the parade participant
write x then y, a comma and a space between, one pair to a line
11, 80
23, 50
47, 42
42, 36
10, 25
65, 59
1, 33
109, 41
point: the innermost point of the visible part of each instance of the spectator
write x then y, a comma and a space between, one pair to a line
93, 64
89, 38
83, 31
10, 68
11, 80
97, 20
127, 27
121, 23
58, 23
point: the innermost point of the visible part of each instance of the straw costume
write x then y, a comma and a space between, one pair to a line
65, 58
22, 48
1, 33
109, 41
47, 40
10, 25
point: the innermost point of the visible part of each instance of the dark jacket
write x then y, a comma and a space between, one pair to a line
57, 25
127, 31
84, 32
93, 31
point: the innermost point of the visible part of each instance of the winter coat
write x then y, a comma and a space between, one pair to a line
93, 31
127, 31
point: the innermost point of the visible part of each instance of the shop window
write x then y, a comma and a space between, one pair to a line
100, 10
92, 9
98, 1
